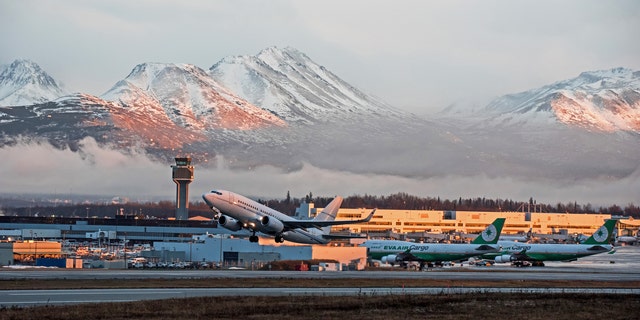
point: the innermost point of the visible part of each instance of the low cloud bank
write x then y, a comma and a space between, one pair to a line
40, 168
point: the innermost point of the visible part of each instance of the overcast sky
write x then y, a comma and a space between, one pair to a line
419, 56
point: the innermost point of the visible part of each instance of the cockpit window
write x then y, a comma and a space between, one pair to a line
216, 192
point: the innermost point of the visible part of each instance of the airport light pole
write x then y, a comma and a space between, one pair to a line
124, 249
219, 235
35, 252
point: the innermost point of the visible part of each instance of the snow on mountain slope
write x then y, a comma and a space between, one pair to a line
606, 101
187, 96
571, 130
23, 82
294, 87
307, 115
66, 121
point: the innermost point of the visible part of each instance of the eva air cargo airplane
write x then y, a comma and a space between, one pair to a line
402, 252
523, 254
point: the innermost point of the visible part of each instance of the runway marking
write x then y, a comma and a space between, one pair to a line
103, 292
16, 303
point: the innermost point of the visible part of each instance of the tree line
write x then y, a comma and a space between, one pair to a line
288, 205
405, 201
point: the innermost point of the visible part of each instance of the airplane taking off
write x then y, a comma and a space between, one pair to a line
234, 212
394, 251
537, 253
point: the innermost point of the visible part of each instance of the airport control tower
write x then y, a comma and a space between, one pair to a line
182, 176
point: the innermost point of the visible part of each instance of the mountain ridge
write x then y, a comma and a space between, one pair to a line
189, 97
603, 100
291, 85
279, 108
23, 82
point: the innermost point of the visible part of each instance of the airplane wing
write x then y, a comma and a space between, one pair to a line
340, 236
486, 247
597, 248
522, 255
295, 224
407, 256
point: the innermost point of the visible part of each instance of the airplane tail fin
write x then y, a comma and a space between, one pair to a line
603, 234
491, 234
329, 213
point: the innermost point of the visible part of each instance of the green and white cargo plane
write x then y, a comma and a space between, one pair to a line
522, 254
403, 252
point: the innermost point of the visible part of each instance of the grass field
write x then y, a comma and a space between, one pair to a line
442, 306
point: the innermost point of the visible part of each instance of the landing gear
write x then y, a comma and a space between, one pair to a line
216, 214
253, 237
279, 239
521, 264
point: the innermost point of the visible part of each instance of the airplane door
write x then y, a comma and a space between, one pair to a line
231, 199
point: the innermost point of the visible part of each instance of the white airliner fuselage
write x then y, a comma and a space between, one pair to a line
236, 212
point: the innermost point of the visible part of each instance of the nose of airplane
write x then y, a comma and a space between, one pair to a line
206, 197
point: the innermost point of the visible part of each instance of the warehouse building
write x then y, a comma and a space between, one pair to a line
239, 252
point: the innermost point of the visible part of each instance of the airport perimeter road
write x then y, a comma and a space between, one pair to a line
487, 273
25, 298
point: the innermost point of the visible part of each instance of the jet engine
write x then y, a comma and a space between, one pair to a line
505, 258
391, 259
229, 223
295, 237
271, 225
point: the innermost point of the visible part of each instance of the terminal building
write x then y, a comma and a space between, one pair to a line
417, 221
418, 224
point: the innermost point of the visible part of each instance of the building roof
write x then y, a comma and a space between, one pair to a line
199, 218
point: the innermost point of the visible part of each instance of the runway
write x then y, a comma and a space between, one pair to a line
25, 298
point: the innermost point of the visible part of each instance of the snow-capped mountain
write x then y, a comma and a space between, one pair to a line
580, 128
291, 85
62, 122
187, 96
66, 121
605, 101
282, 109
23, 82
